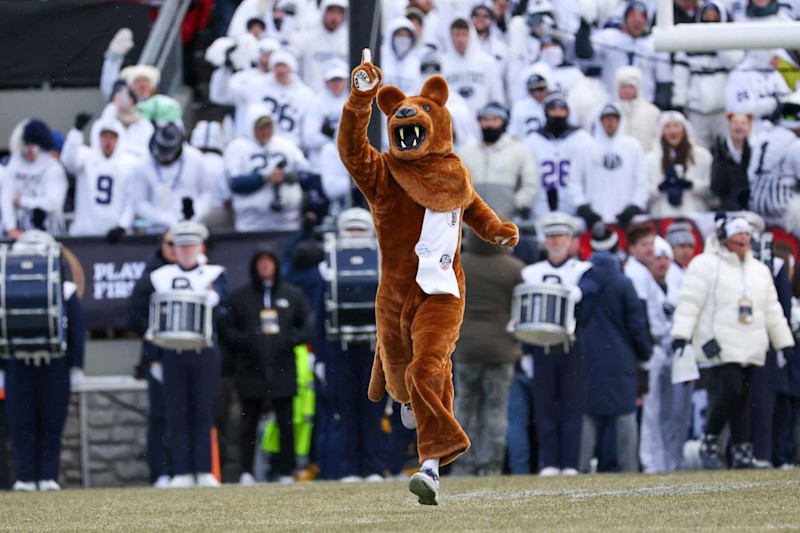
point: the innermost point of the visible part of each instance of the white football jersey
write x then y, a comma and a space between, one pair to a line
558, 160
101, 193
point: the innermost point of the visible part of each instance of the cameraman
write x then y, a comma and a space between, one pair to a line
729, 308
262, 174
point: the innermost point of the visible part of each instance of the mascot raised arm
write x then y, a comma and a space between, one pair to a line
419, 192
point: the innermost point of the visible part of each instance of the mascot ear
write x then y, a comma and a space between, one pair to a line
388, 97
436, 89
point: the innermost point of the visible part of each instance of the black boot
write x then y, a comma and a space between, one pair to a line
743, 456
709, 453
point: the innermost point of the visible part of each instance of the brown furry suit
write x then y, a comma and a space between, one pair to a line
417, 332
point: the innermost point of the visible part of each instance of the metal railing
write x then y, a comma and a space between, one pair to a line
163, 47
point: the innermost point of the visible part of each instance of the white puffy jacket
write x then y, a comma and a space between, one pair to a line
708, 308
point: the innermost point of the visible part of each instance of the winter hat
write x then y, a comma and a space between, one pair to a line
332, 3
161, 108
662, 247
493, 109
641, 7
335, 68
672, 116
536, 81
555, 100
481, 6
166, 144
680, 233
36, 132
610, 109
603, 238
736, 224
153, 75
283, 57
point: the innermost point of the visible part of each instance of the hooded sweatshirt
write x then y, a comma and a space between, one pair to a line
474, 75
41, 184
403, 71
754, 87
316, 47
101, 183
247, 163
527, 114
618, 177
640, 117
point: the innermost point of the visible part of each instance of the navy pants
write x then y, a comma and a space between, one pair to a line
787, 409
520, 417
157, 453
191, 390
363, 440
557, 399
327, 434
763, 402
37, 399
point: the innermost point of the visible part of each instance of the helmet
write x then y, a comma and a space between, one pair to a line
166, 144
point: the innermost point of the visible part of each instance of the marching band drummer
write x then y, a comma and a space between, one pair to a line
557, 369
191, 377
37, 392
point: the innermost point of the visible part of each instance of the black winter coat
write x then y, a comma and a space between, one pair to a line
264, 365
729, 179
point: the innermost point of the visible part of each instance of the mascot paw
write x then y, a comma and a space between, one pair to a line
506, 234
366, 76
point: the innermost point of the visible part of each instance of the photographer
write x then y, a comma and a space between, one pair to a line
261, 171
729, 308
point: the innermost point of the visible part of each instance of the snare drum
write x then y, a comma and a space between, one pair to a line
32, 322
180, 320
352, 272
543, 313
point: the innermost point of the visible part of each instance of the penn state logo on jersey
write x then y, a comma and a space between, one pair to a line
181, 283
612, 161
453, 219
445, 262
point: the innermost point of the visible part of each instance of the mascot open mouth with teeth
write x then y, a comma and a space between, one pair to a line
419, 192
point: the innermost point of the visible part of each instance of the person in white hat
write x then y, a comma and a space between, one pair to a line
728, 308
329, 40
191, 377
667, 410
262, 176
37, 388
321, 118
556, 386
142, 79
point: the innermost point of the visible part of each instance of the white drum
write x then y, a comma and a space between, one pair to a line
543, 314
180, 320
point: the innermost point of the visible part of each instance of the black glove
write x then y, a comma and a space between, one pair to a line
188, 208
678, 345
37, 217
115, 235
674, 186
586, 213
627, 214
81, 120
328, 128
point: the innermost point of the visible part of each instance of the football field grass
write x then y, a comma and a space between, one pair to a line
744, 501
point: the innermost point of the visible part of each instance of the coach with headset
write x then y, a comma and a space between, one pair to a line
728, 307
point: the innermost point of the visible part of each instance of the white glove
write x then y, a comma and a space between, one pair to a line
781, 359
361, 77
148, 335
526, 363
75, 377
319, 372
157, 371
122, 42
2, 379
212, 298
575, 294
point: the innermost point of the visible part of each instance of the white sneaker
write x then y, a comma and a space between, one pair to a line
425, 485
550, 471
397, 477
247, 479
407, 416
374, 478
286, 480
184, 481
351, 479
48, 484
24, 486
788, 466
207, 479
162, 482
569, 472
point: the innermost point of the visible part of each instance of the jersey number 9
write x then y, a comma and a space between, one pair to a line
104, 185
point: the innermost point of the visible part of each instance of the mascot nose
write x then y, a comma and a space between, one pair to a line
405, 112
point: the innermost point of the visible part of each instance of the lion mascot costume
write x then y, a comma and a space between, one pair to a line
419, 192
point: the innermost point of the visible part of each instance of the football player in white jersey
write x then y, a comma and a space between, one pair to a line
171, 183
34, 187
560, 153
261, 171
101, 171
191, 377
557, 369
